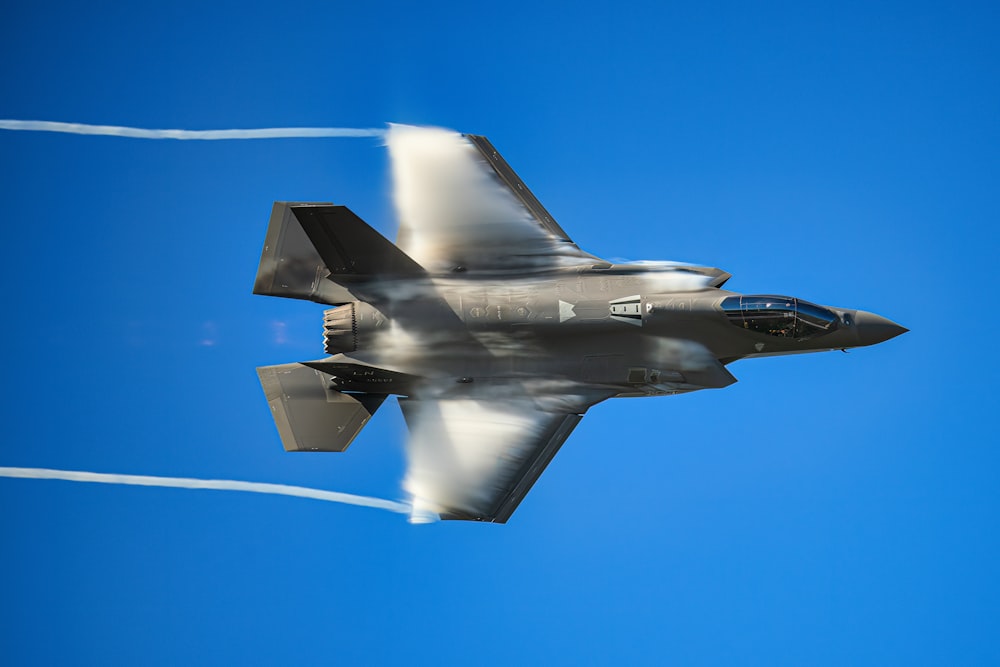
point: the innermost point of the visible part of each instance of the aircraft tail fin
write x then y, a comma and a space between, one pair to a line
317, 251
309, 414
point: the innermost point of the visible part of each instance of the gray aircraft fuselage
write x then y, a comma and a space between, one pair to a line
627, 330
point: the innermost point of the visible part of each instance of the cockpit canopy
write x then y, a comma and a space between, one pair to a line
781, 316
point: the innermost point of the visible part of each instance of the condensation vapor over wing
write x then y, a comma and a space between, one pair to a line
477, 458
455, 213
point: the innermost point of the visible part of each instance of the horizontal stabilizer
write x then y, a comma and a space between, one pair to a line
351, 247
290, 266
311, 416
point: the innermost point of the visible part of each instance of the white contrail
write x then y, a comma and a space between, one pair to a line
143, 133
218, 484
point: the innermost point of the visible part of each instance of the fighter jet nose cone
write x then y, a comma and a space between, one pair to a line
874, 329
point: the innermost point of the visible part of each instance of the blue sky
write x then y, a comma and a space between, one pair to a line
827, 509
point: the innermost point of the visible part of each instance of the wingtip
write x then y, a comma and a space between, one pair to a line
421, 513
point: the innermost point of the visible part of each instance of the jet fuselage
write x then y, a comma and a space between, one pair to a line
632, 331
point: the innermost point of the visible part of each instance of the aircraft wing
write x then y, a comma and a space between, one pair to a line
476, 459
462, 208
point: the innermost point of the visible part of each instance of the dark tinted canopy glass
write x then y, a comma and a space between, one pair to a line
780, 316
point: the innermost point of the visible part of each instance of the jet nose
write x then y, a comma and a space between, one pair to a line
873, 329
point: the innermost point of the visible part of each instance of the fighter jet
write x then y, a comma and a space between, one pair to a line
494, 330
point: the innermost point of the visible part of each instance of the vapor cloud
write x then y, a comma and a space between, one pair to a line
463, 453
143, 133
444, 190
216, 484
